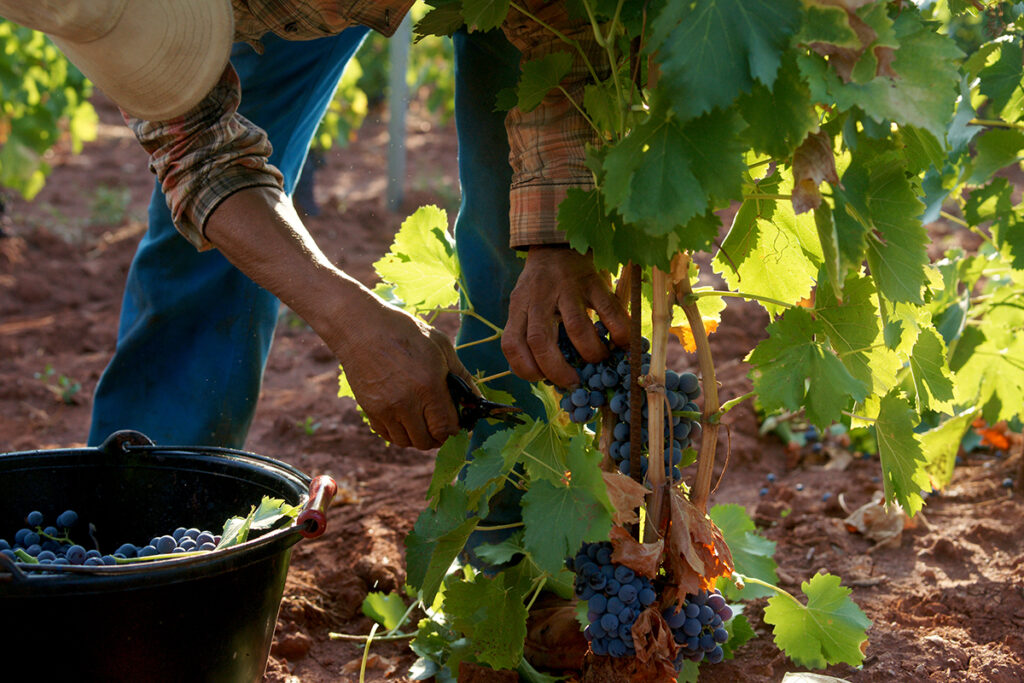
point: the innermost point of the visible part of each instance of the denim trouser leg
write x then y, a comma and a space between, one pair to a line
194, 331
484, 64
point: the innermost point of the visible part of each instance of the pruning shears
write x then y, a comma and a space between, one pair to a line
472, 408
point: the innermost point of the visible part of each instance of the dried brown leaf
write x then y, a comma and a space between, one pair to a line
642, 558
813, 162
697, 553
626, 496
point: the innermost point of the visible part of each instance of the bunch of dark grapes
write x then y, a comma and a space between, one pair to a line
608, 382
615, 597
53, 544
699, 627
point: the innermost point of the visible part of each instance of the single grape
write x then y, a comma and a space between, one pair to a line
610, 622
598, 603
75, 554
34, 518
126, 549
616, 648
67, 519
165, 544
615, 605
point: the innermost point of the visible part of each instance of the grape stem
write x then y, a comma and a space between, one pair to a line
729, 405
536, 592
694, 296
499, 527
635, 399
497, 375
661, 318
765, 584
366, 654
363, 639
709, 435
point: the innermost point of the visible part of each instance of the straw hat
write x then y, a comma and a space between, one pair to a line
155, 58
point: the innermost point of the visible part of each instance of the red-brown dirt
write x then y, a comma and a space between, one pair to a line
947, 603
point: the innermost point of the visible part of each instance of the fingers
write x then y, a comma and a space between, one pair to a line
613, 314
542, 339
515, 346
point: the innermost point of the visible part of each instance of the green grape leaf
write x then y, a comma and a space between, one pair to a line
443, 20
961, 131
898, 256
987, 365
923, 92
500, 553
752, 554
941, 444
829, 25
828, 236
492, 615
547, 452
539, 76
996, 149
601, 104
854, 330
450, 459
494, 458
829, 629
792, 353
903, 465
771, 252
483, 15
422, 266
999, 80
436, 540
930, 371
558, 518
387, 610
779, 118
649, 177
270, 513
717, 49
587, 227
740, 632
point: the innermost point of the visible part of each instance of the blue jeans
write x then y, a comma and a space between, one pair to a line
195, 332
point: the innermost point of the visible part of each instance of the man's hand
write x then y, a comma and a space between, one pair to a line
397, 365
558, 284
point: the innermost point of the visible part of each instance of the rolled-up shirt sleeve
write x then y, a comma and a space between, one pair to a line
206, 155
548, 144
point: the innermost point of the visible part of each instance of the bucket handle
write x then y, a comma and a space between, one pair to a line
312, 521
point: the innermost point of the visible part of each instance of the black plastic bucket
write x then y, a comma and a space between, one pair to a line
208, 617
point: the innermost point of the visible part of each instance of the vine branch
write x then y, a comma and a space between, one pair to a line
709, 434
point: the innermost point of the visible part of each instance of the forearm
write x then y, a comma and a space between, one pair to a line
259, 232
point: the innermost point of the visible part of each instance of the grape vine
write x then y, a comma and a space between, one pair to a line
856, 147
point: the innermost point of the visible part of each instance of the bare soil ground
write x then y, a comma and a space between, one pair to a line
947, 602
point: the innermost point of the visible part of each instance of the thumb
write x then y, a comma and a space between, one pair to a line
455, 366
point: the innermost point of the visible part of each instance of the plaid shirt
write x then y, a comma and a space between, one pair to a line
211, 152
